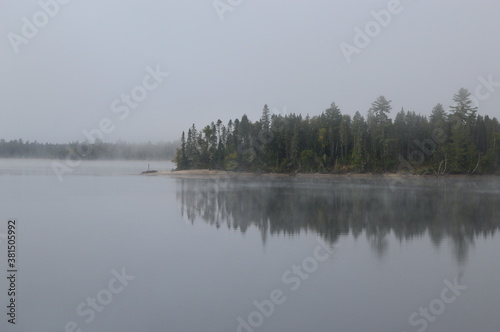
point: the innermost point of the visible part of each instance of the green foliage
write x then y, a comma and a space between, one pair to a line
307, 159
457, 142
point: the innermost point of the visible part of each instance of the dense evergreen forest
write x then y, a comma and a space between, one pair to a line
97, 150
453, 141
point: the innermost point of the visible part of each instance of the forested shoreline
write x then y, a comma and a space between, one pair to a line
89, 151
450, 141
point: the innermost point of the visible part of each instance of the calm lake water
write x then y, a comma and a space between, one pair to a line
108, 250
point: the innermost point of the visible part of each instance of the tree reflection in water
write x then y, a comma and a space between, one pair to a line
440, 208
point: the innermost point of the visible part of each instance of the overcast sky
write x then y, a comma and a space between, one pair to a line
71, 74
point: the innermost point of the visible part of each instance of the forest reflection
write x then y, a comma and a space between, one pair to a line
460, 210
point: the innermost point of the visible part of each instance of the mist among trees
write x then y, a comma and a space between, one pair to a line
455, 140
89, 151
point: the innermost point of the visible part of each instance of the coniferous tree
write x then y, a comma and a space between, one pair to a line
378, 126
438, 116
359, 148
463, 152
181, 159
460, 142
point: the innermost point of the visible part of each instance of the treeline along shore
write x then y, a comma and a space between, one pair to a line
88, 151
456, 140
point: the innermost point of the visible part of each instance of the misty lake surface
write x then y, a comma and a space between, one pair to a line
158, 253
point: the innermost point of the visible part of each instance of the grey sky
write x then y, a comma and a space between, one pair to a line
283, 53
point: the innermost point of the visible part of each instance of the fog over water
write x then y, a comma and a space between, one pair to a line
89, 244
346, 254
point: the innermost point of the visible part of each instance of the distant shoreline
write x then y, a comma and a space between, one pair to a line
206, 173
